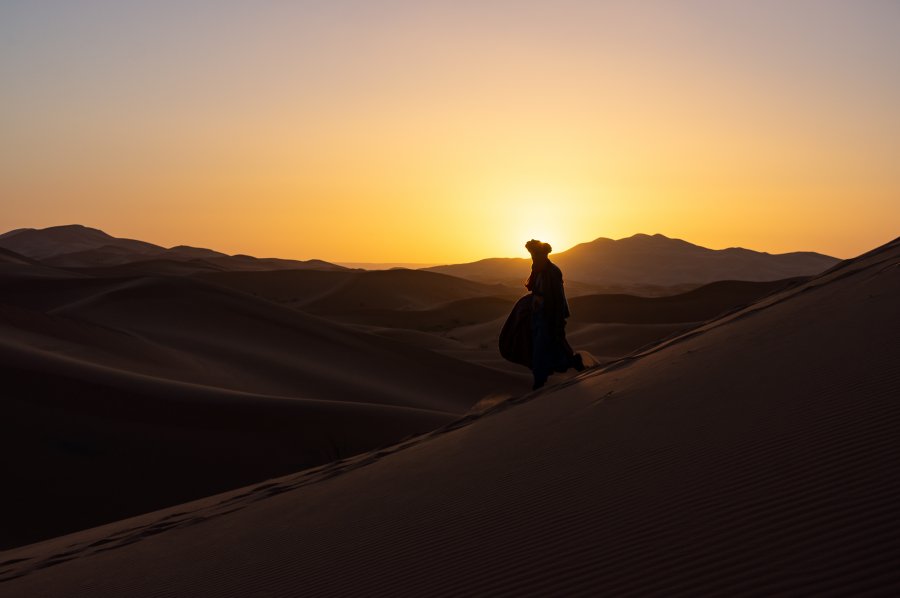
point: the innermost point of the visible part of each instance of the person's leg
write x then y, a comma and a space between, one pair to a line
578, 362
540, 357
573, 359
563, 357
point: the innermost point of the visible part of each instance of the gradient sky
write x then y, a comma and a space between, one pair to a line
425, 131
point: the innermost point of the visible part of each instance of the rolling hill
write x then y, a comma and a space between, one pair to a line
76, 246
122, 395
655, 261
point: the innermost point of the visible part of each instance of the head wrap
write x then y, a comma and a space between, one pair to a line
536, 247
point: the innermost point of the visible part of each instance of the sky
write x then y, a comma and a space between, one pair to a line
438, 132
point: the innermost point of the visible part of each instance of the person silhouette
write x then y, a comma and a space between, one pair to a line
534, 335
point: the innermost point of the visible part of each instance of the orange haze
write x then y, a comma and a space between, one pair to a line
424, 132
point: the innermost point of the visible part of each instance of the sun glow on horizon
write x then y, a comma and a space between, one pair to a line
452, 132
558, 208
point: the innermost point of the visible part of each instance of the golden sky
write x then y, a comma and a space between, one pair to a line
445, 132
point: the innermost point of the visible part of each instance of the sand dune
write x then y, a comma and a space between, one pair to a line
610, 341
95, 257
12, 263
444, 317
185, 329
250, 263
149, 267
605, 326
758, 454
350, 291
11, 257
195, 388
697, 305
92, 445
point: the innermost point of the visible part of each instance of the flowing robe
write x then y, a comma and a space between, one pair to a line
534, 334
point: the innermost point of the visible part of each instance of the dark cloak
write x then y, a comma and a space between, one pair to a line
515, 338
547, 323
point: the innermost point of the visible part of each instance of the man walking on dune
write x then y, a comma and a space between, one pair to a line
535, 332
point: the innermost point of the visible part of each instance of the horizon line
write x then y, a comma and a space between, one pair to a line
428, 263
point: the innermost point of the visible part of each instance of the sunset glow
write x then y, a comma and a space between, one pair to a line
447, 132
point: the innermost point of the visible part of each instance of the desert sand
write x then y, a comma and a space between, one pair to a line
757, 453
133, 393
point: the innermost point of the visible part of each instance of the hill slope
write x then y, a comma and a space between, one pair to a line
125, 395
12, 263
348, 291
77, 246
44, 243
759, 454
652, 260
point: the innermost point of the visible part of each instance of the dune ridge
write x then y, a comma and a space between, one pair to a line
757, 454
329, 293
20, 265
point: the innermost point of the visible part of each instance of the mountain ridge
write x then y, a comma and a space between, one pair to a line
641, 259
79, 246
651, 259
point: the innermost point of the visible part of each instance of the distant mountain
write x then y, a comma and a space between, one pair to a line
651, 260
603, 265
44, 243
79, 247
